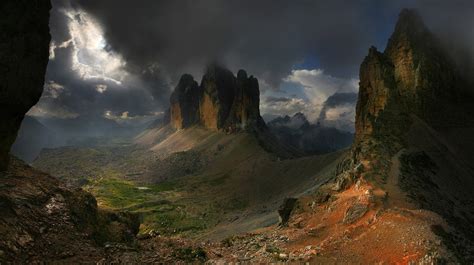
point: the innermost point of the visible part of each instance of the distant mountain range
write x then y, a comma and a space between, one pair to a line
297, 132
38, 133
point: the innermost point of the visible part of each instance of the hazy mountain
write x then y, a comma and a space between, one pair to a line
32, 137
297, 132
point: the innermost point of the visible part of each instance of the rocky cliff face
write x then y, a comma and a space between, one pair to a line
221, 102
414, 75
245, 110
24, 52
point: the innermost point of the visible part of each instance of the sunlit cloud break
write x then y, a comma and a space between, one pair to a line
90, 57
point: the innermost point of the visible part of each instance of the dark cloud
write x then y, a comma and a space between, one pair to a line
161, 39
338, 99
339, 111
266, 37
271, 99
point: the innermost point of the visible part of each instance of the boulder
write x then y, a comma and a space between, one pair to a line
355, 212
285, 210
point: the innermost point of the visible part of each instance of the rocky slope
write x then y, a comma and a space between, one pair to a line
43, 220
23, 58
297, 132
404, 194
221, 102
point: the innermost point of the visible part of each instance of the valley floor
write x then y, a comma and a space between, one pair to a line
216, 201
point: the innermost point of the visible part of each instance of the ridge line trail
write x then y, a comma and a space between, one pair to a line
395, 196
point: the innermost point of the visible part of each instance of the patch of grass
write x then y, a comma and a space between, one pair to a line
117, 193
175, 221
160, 214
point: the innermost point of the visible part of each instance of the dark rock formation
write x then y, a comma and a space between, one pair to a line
24, 53
221, 102
219, 87
414, 75
285, 210
245, 110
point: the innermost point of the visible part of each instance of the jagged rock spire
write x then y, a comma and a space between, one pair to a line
413, 76
184, 103
221, 102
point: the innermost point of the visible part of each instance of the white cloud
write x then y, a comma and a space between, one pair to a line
317, 87
90, 58
124, 118
341, 112
101, 88
287, 106
53, 89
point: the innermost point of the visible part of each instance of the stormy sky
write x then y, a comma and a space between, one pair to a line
120, 60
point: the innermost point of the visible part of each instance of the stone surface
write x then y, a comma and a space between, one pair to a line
355, 212
24, 52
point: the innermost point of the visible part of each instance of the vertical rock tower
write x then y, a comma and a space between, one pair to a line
223, 102
184, 103
413, 76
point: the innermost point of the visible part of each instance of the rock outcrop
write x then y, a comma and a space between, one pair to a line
414, 75
221, 102
43, 220
24, 53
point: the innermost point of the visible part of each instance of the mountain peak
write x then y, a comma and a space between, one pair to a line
222, 101
413, 76
408, 20
410, 33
